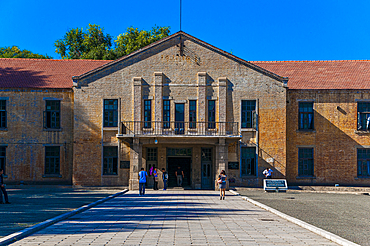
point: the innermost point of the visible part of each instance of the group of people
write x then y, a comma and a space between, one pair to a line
153, 172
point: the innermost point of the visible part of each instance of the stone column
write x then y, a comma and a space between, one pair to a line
202, 101
221, 158
136, 154
221, 111
158, 101
137, 103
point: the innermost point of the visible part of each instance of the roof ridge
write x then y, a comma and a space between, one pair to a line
36, 59
292, 61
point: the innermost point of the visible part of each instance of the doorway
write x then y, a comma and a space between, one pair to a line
185, 164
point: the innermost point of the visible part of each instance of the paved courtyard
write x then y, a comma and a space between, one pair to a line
175, 218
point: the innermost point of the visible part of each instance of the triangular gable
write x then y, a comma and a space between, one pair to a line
174, 39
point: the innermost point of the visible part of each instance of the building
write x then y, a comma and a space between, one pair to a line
182, 102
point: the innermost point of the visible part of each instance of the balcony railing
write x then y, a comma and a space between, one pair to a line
172, 128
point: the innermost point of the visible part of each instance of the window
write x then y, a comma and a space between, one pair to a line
192, 114
52, 114
2, 157
305, 162
3, 114
52, 160
147, 114
363, 116
211, 114
166, 114
305, 115
110, 113
110, 160
248, 161
363, 162
249, 116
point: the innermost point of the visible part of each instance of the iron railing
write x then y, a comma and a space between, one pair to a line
176, 128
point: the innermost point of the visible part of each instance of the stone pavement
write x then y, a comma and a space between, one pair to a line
175, 217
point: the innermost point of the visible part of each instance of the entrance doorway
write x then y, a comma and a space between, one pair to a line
185, 164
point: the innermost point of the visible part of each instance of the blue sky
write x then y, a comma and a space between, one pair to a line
253, 30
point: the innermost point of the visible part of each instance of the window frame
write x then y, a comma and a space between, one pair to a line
110, 115
192, 114
248, 159
52, 116
3, 115
362, 160
166, 114
252, 115
310, 171
360, 112
52, 161
148, 113
302, 118
110, 162
211, 114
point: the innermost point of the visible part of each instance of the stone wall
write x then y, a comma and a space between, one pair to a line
335, 138
25, 138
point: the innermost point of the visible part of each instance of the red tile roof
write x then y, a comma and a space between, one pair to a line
348, 74
42, 73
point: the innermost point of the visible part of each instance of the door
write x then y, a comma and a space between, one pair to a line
207, 168
179, 118
206, 175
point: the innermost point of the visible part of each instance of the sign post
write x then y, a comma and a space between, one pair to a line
275, 185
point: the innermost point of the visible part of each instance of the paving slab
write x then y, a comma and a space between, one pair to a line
175, 218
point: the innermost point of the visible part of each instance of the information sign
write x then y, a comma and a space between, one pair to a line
275, 185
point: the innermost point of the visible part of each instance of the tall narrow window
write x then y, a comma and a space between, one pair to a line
305, 115
166, 114
249, 114
248, 158
192, 114
52, 114
147, 113
52, 159
211, 114
363, 116
110, 160
3, 158
305, 162
363, 162
110, 113
151, 159
3, 114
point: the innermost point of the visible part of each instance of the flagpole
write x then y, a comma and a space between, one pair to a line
180, 13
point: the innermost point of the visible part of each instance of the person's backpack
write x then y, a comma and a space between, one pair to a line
166, 176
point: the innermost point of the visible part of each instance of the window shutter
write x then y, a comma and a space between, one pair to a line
255, 119
45, 119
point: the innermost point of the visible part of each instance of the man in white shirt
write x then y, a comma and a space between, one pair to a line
268, 173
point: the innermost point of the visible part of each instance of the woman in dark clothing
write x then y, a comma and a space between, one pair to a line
222, 184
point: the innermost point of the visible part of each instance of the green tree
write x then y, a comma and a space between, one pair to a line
16, 52
135, 39
95, 44
90, 44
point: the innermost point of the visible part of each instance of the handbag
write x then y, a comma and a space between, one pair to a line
156, 179
219, 181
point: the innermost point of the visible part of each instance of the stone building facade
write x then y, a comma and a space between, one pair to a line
182, 102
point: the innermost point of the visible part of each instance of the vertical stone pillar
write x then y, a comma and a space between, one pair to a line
221, 158
136, 154
158, 101
137, 95
221, 111
202, 101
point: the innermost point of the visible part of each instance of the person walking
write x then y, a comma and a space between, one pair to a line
165, 178
142, 180
3, 190
268, 173
222, 184
155, 179
179, 176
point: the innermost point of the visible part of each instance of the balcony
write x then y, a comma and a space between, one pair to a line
178, 129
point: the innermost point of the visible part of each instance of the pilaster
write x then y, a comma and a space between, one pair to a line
221, 159
137, 97
136, 155
158, 97
202, 97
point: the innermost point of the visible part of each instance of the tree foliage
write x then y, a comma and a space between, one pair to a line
94, 44
16, 52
